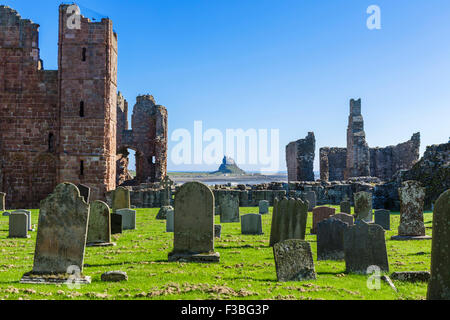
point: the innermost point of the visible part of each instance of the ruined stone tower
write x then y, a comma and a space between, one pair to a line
358, 155
300, 158
87, 78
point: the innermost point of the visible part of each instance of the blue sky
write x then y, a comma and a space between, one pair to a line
291, 65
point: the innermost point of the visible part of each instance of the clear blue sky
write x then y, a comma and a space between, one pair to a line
291, 65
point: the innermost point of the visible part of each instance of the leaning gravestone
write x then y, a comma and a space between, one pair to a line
85, 192
344, 217
99, 227
363, 206
330, 239
288, 220
365, 246
121, 199
18, 225
294, 260
194, 224
383, 218
345, 206
116, 223
311, 197
61, 237
229, 208
2, 201
439, 284
251, 224
411, 226
128, 218
263, 207
320, 214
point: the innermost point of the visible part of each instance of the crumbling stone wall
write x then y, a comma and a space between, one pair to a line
148, 137
333, 162
300, 158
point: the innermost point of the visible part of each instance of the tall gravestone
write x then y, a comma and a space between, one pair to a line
411, 226
363, 206
330, 239
194, 224
311, 197
251, 224
99, 227
439, 284
320, 214
294, 260
263, 207
18, 225
121, 199
2, 201
383, 218
229, 208
364, 246
288, 220
61, 237
169, 221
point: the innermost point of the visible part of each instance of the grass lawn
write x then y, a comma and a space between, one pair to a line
246, 269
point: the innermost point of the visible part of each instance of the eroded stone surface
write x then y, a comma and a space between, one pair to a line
263, 207
229, 208
411, 276
294, 260
300, 159
288, 220
121, 199
330, 239
99, 227
363, 206
411, 209
114, 276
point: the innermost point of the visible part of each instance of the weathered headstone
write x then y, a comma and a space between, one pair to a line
383, 218
229, 208
217, 230
288, 220
166, 207
99, 227
330, 239
251, 224
85, 192
364, 246
194, 224
263, 207
61, 237
294, 260
311, 197
169, 221
411, 226
128, 218
116, 223
2, 201
320, 214
344, 217
439, 284
121, 199
363, 206
345, 206
18, 225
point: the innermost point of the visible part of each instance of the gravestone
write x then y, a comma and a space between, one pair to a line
263, 207
166, 207
383, 218
61, 237
217, 230
439, 284
99, 226
411, 226
2, 201
251, 224
363, 206
364, 246
311, 197
345, 206
217, 212
128, 218
169, 221
194, 224
320, 214
344, 217
121, 199
116, 223
85, 192
229, 208
330, 239
18, 225
294, 260
28, 213
288, 220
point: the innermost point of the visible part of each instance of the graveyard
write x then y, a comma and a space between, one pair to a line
246, 269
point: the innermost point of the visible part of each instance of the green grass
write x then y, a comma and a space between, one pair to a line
246, 269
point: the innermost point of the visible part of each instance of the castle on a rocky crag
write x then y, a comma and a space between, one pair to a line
70, 124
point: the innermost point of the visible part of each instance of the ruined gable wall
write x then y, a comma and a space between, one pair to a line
300, 159
332, 163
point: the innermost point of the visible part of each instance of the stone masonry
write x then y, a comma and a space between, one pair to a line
300, 158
